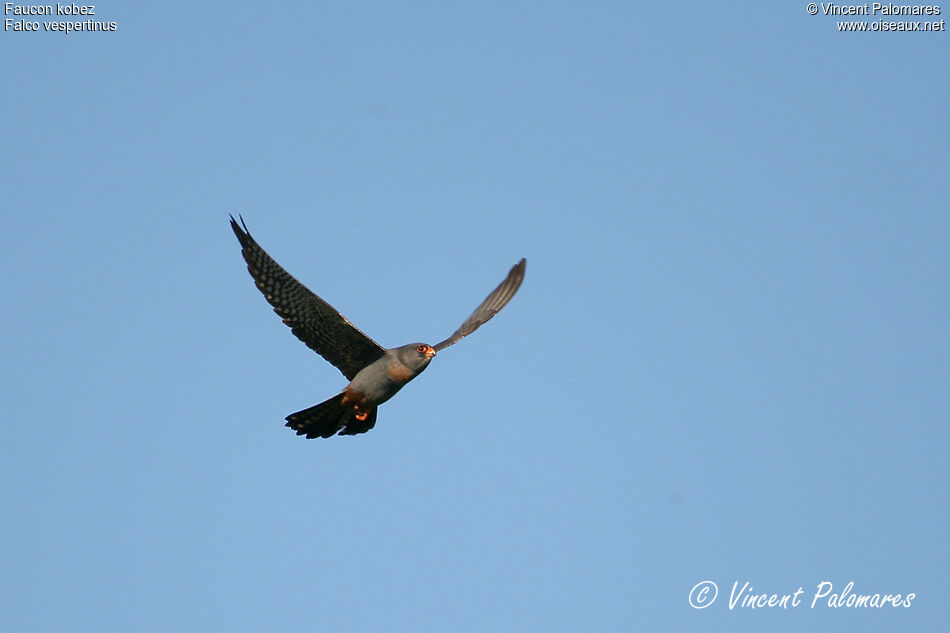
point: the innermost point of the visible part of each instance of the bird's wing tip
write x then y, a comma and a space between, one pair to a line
237, 227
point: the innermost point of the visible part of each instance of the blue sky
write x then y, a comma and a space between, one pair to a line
728, 360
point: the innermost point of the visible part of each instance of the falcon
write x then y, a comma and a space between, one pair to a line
375, 373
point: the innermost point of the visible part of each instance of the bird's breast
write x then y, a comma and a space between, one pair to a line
380, 381
399, 372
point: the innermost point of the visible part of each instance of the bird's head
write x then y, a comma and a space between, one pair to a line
415, 356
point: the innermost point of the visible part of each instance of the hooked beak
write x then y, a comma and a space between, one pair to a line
430, 352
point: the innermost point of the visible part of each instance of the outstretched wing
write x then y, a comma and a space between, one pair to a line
490, 306
313, 320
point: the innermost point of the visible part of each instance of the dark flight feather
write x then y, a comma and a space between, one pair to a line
312, 320
490, 306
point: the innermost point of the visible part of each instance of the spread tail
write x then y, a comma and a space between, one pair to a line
329, 418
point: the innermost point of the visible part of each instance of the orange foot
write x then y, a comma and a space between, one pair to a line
361, 415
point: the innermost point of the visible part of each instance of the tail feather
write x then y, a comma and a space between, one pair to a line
329, 418
355, 427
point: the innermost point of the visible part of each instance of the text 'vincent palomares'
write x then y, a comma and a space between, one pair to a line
878, 8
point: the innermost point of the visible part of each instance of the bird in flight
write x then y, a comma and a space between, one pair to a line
375, 373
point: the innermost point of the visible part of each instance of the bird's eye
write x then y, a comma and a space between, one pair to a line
421, 349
